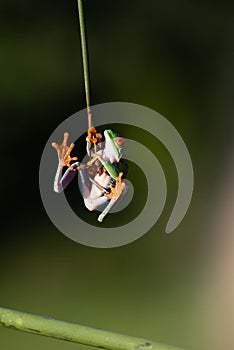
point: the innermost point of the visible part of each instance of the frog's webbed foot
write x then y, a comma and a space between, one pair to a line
64, 152
114, 195
93, 138
117, 190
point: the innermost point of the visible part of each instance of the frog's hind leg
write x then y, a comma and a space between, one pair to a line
122, 189
95, 203
93, 195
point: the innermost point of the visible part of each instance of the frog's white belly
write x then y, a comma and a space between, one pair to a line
96, 196
104, 181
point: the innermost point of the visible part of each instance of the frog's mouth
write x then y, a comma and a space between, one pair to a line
110, 138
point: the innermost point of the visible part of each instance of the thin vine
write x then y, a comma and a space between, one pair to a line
75, 333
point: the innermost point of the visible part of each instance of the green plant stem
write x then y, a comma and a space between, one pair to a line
85, 60
74, 333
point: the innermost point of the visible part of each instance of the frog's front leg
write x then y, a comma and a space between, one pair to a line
64, 159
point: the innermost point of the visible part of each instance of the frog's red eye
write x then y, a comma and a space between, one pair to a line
120, 141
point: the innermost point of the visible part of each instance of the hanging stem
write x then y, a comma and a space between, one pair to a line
85, 61
74, 332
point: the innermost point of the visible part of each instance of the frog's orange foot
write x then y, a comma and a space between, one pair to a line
64, 151
93, 136
117, 190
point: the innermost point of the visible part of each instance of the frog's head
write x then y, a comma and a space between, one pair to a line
113, 146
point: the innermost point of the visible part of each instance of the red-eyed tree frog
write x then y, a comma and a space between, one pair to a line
101, 179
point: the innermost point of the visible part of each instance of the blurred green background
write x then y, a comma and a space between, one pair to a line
175, 57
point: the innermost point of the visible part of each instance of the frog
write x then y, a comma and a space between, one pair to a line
101, 182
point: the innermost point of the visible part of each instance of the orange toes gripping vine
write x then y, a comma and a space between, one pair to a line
93, 137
